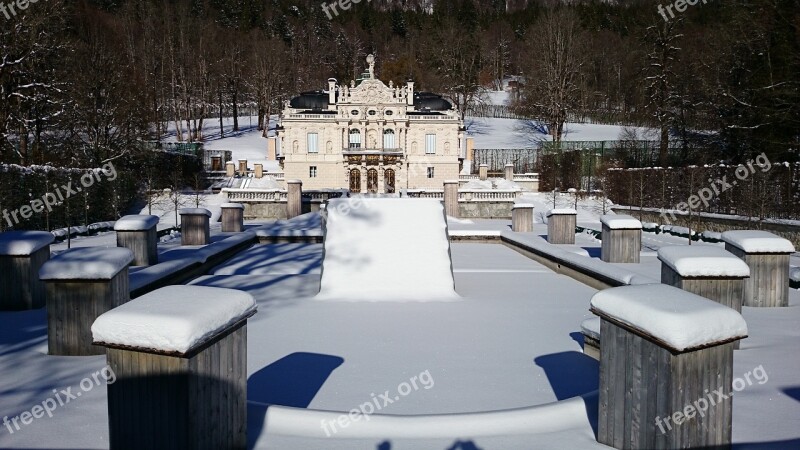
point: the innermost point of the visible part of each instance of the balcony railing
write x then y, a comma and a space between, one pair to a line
256, 195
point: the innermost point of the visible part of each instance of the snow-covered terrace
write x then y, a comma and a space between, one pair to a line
512, 343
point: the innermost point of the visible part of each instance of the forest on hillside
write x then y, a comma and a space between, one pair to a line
85, 82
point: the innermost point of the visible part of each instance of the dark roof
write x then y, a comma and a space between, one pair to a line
310, 100
430, 101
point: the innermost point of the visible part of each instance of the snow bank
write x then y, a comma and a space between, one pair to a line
387, 249
87, 263
621, 222
591, 327
712, 236
195, 212
136, 223
754, 241
173, 319
794, 274
24, 243
703, 261
562, 212
680, 319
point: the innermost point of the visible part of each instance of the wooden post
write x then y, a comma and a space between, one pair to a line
451, 198
139, 235
590, 328
259, 171
243, 167
195, 226
561, 225
82, 284
294, 197
707, 271
483, 172
230, 169
22, 254
663, 353
767, 255
622, 239
232, 217
509, 172
181, 382
522, 218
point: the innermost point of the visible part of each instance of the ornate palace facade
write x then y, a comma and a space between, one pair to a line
370, 137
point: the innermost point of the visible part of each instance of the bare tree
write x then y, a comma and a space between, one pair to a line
556, 57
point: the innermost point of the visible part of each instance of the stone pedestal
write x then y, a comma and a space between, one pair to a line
232, 217
622, 239
509, 172
767, 255
294, 196
181, 382
259, 171
243, 167
82, 284
230, 169
561, 225
483, 172
522, 218
195, 227
22, 254
139, 235
451, 198
663, 352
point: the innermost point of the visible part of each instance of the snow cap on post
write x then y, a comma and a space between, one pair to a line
676, 319
24, 243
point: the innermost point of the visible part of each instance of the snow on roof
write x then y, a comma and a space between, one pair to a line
372, 254
195, 212
677, 318
24, 243
232, 205
87, 263
136, 223
562, 212
755, 241
523, 205
173, 319
591, 327
621, 222
703, 261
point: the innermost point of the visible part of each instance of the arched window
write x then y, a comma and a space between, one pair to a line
355, 139
388, 140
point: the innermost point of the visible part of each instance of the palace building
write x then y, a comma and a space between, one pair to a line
370, 137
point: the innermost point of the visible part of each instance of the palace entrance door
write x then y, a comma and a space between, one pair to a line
372, 181
355, 181
388, 181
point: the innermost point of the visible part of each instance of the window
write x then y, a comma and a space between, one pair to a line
389, 112
388, 139
430, 144
313, 143
372, 112
354, 112
355, 139
312, 172
430, 172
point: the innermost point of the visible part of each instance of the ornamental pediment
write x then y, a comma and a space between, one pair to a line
372, 92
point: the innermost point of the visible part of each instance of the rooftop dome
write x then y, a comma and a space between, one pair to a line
431, 101
310, 100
